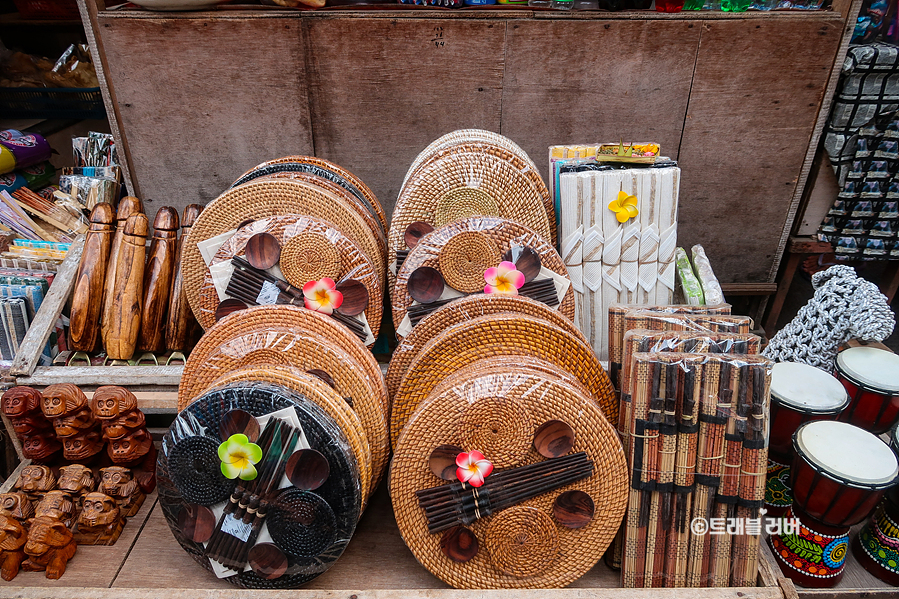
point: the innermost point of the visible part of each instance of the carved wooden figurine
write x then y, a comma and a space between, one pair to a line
57, 504
17, 505
87, 296
35, 481
50, 546
179, 331
118, 483
158, 280
120, 337
22, 405
101, 521
128, 206
125, 431
13, 537
76, 481
67, 407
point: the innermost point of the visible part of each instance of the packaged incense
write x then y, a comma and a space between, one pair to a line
711, 288
689, 284
699, 446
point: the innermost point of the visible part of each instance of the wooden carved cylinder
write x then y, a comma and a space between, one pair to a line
127, 206
87, 297
158, 280
181, 322
120, 337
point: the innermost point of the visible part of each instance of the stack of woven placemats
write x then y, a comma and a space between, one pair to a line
506, 472
471, 201
293, 223
316, 376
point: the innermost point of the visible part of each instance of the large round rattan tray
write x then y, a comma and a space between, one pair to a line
493, 143
501, 232
465, 184
263, 198
505, 334
331, 171
460, 310
324, 396
354, 263
341, 490
513, 401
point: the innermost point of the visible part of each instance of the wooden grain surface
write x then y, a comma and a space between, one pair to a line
202, 100
382, 90
104, 375
597, 81
752, 110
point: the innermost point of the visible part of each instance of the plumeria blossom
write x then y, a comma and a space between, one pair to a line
624, 207
238, 457
503, 279
473, 468
321, 296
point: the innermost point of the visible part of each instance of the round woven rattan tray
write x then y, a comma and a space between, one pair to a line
316, 390
505, 334
329, 170
341, 491
353, 262
263, 198
502, 233
465, 184
460, 310
521, 546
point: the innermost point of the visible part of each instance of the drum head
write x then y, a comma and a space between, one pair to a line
847, 453
807, 389
873, 367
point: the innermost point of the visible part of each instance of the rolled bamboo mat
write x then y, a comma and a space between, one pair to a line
500, 407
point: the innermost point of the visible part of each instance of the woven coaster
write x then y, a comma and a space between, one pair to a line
309, 257
463, 202
464, 259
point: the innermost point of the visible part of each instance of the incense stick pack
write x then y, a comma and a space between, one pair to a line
617, 313
698, 437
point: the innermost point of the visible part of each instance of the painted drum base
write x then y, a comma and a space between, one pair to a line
778, 493
810, 558
877, 546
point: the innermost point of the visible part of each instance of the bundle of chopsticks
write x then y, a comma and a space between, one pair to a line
240, 524
458, 503
698, 450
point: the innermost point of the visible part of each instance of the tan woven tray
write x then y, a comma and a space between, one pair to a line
460, 310
291, 336
498, 408
372, 202
489, 237
505, 334
327, 398
263, 198
465, 184
491, 143
352, 262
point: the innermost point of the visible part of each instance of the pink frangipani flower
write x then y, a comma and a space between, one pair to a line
321, 296
473, 468
503, 279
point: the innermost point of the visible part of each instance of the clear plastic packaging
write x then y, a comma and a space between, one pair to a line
711, 289
194, 493
689, 284
698, 461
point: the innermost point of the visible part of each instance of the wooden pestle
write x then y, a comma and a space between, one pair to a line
158, 280
87, 297
124, 322
181, 322
127, 206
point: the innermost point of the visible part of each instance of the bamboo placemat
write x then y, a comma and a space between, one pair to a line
499, 335
316, 390
501, 232
514, 401
334, 172
263, 198
465, 184
460, 310
353, 262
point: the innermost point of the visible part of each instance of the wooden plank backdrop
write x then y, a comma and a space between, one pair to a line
204, 96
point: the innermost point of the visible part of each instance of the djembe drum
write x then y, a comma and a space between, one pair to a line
871, 377
799, 393
839, 474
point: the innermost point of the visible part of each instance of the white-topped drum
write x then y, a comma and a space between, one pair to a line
871, 378
800, 393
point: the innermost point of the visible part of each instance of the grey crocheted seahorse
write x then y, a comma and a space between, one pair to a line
844, 307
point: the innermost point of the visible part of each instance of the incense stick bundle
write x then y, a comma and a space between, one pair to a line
57, 216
